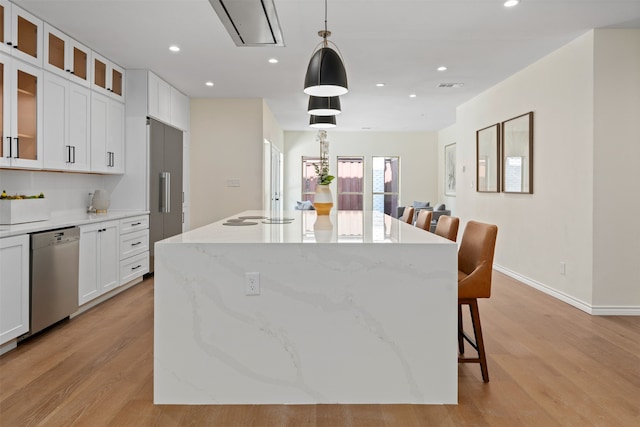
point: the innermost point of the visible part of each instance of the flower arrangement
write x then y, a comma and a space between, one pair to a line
322, 168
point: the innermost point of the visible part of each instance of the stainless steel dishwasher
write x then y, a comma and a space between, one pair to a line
54, 276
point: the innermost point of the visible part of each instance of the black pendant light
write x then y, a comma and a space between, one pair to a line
324, 105
326, 75
322, 122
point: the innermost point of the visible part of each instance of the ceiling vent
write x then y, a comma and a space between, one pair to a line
250, 22
450, 84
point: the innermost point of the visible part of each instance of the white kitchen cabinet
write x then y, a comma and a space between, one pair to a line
21, 124
134, 248
66, 126
14, 287
108, 77
22, 33
107, 135
166, 103
99, 259
66, 57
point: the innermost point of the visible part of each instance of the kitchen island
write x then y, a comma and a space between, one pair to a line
356, 307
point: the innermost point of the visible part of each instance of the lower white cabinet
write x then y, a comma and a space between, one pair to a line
99, 259
14, 287
134, 247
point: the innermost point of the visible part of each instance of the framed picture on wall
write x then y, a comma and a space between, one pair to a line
517, 154
450, 170
488, 159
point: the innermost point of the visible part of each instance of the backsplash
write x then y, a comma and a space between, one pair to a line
67, 192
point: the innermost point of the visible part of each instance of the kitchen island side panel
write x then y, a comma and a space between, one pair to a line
334, 323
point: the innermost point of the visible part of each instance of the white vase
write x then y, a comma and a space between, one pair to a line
101, 201
323, 199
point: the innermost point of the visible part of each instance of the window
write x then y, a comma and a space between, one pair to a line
350, 183
385, 177
309, 179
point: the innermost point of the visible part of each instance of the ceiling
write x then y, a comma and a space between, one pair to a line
396, 42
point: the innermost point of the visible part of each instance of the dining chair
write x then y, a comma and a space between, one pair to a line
407, 215
447, 227
424, 219
475, 266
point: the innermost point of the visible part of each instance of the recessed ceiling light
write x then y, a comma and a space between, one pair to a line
273, 61
174, 48
413, 95
380, 84
209, 83
511, 3
442, 68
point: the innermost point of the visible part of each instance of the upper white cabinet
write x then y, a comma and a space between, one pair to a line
66, 128
21, 124
66, 57
14, 287
21, 33
107, 134
108, 77
166, 103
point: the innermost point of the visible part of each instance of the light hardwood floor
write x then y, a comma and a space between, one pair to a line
550, 365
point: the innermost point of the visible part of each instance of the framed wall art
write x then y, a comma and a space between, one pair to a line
517, 154
450, 170
488, 159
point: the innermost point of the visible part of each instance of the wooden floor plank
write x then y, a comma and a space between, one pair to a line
550, 365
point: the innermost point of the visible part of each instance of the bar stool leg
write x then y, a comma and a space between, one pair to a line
460, 330
478, 342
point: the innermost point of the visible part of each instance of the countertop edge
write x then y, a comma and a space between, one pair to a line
69, 220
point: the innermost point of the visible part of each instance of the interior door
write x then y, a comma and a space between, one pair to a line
276, 179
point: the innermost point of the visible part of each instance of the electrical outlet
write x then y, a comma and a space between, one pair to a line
252, 283
563, 268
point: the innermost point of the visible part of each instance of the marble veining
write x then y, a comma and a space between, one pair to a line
334, 323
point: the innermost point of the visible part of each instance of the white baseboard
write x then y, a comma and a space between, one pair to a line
587, 308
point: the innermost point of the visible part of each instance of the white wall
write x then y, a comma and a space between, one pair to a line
536, 232
418, 152
616, 248
67, 192
586, 103
226, 143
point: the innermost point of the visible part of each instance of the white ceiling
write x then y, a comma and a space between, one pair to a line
398, 42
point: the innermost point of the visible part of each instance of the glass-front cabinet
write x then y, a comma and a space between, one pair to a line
108, 77
21, 33
65, 56
21, 93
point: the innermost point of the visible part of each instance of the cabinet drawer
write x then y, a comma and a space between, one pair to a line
135, 223
134, 267
134, 243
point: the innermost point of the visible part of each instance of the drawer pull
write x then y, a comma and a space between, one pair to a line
134, 224
136, 267
136, 243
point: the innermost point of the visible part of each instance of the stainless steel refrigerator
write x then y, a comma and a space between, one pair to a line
165, 181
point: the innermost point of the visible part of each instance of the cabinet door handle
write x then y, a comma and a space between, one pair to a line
10, 155
17, 147
73, 147
68, 148
9, 43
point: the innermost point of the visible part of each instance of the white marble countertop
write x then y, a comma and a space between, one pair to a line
370, 316
341, 227
66, 220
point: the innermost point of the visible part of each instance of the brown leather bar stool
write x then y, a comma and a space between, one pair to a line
475, 265
424, 219
407, 215
447, 227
